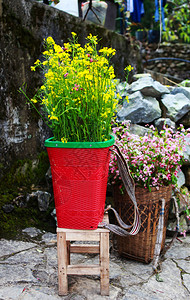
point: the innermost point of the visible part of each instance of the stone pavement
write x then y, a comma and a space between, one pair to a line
28, 271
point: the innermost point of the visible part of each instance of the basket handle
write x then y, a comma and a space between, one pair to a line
130, 188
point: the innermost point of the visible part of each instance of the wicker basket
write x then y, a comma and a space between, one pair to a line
141, 246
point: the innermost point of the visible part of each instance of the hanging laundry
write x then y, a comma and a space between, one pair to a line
157, 15
138, 11
130, 6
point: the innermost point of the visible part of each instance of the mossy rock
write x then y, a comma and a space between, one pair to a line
21, 179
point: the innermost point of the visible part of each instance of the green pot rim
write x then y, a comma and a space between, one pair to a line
49, 143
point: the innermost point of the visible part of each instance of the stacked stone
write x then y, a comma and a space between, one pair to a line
179, 68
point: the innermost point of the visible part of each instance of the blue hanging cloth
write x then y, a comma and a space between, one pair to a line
157, 17
138, 11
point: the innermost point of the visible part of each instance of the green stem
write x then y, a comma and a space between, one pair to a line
21, 91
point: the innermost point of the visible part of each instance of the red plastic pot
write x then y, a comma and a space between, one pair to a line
79, 175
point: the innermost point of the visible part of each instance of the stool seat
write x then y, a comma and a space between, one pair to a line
64, 248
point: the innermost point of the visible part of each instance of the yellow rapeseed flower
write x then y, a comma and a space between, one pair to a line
119, 96
127, 98
46, 52
57, 48
78, 46
89, 49
89, 36
77, 81
92, 38
34, 100
129, 68
107, 51
63, 140
53, 118
37, 62
89, 77
50, 40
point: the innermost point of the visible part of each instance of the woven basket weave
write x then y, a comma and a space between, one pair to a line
141, 246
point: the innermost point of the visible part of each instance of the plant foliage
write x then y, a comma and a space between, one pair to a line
177, 21
78, 92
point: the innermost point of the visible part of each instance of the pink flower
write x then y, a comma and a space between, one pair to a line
153, 158
183, 233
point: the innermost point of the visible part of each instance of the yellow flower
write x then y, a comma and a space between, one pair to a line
63, 140
127, 98
46, 52
54, 118
107, 51
34, 100
45, 102
89, 36
119, 96
92, 38
32, 68
37, 62
111, 72
67, 47
89, 49
50, 40
57, 48
129, 68
77, 46
89, 77
77, 81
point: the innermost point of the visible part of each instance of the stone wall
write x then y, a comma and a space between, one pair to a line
23, 26
177, 67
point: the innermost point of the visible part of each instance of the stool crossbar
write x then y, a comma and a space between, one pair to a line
64, 248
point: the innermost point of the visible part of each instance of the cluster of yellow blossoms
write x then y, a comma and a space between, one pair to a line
78, 94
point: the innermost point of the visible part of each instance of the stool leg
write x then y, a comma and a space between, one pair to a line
104, 264
68, 253
62, 263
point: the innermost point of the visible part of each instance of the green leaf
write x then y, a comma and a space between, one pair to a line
158, 278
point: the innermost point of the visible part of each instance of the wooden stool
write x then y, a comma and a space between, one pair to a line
64, 248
